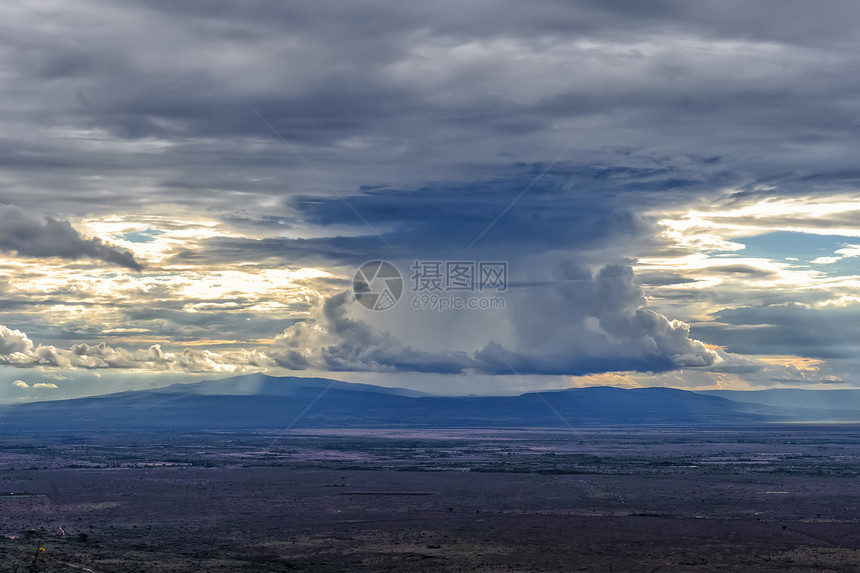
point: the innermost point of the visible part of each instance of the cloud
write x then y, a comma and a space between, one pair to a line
14, 341
333, 341
786, 328
401, 96
440, 220
16, 349
429, 121
29, 236
38, 385
847, 252
585, 323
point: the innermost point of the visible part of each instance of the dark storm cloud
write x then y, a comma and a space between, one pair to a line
29, 236
444, 221
552, 213
376, 93
786, 329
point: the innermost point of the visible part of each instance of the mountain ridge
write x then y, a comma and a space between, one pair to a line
259, 401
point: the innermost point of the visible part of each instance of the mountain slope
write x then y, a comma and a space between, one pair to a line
260, 384
838, 399
259, 401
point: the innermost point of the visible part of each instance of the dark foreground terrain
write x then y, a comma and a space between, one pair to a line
734, 499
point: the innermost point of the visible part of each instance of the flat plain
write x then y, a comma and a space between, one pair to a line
764, 498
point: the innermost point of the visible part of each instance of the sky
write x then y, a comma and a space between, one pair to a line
188, 189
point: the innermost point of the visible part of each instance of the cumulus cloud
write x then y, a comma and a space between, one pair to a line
30, 236
593, 321
38, 385
16, 349
585, 323
333, 341
13, 341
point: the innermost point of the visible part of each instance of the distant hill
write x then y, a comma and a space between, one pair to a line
263, 385
258, 401
839, 399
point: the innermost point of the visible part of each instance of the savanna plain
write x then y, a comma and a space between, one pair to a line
669, 499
